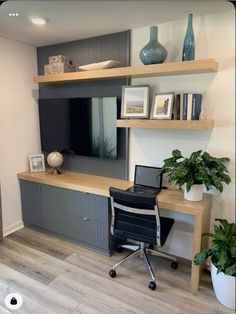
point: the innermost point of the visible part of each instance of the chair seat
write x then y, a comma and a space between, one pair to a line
142, 227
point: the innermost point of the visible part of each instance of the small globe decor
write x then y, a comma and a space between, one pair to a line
55, 160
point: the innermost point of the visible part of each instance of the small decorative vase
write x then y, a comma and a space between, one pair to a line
153, 52
189, 42
194, 194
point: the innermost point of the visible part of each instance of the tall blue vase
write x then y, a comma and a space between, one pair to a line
189, 42
153, 52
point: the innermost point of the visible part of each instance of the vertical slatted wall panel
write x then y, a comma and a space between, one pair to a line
108, 47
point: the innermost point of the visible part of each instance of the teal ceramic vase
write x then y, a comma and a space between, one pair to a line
153, 52
189, 42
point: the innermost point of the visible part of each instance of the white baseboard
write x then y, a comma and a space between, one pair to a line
12, 228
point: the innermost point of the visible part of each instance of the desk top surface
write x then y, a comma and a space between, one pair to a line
168, 199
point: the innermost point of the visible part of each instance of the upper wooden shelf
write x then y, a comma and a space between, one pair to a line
166, 124
164, 69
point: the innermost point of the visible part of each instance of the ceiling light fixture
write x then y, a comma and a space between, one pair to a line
38, 20
13, 14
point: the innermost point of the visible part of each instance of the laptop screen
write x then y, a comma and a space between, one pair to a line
148, 176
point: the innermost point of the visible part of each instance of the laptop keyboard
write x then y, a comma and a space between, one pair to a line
142, 190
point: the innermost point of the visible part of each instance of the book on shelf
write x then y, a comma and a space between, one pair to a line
187, 106
196, 106
176, 108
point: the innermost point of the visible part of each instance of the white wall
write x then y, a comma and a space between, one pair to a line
19, 128
214, 38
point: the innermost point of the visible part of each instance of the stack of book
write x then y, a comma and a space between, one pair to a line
187, 106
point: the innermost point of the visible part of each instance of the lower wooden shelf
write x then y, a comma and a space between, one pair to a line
166, 124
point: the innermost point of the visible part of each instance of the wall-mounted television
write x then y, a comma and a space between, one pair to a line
79, 126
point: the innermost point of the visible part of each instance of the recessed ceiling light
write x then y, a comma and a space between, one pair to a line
14, 14
38, 20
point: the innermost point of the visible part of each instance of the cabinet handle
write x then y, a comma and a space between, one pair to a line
85, 218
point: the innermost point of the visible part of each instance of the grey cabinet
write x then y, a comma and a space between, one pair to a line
81, 217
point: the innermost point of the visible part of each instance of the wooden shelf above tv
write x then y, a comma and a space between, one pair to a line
164, 69
166, 124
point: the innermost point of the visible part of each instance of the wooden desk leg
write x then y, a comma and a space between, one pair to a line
197, 235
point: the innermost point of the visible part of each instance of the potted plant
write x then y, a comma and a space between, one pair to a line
200, 168
222, 252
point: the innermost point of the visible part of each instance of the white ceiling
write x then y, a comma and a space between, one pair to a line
72, 20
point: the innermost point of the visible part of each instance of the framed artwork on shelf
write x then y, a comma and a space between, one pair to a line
37, 163
135, 102
162, 105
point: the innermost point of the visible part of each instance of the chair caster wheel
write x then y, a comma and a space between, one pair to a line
112, 273
174, 265
152, 285
119, 249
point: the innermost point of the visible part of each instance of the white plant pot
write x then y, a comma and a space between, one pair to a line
224, 287
195, 193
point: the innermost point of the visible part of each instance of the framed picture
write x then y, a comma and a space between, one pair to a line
37, 163
162, 105
135, 101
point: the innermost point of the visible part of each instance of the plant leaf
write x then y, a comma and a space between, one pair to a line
200, 257
231, 270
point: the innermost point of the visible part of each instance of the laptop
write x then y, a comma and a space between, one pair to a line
147, 180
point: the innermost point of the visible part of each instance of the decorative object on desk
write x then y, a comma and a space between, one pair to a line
153, 52
162, 105
189, 42
100, 65
58, 64
200, 168
222, 252
55, 160
135, 102
37, 163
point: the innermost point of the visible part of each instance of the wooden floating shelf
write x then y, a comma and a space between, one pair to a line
164, 69
166, 124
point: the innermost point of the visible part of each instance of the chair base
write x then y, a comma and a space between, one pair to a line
142, 251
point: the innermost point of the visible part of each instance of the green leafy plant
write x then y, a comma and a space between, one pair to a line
222, 250
199, 168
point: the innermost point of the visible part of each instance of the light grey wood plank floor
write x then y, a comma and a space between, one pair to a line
56, 276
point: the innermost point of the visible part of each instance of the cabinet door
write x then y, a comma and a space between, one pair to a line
53, 213
31, 202
87, 205
87, 218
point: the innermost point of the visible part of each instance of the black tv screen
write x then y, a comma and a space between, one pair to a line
79, 126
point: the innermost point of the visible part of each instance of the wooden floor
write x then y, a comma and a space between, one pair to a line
54, 276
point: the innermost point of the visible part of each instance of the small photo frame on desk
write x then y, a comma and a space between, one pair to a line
37, 163
162, 105
135, 101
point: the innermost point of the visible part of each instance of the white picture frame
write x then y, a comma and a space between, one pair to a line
37, 163
135, 102
162, 105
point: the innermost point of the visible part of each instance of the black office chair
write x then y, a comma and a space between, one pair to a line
136, 217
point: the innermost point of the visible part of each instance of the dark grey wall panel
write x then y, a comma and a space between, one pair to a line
108, 47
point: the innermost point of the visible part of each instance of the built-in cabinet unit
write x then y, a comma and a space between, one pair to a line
78, 216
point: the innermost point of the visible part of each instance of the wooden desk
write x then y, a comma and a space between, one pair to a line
167, 199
